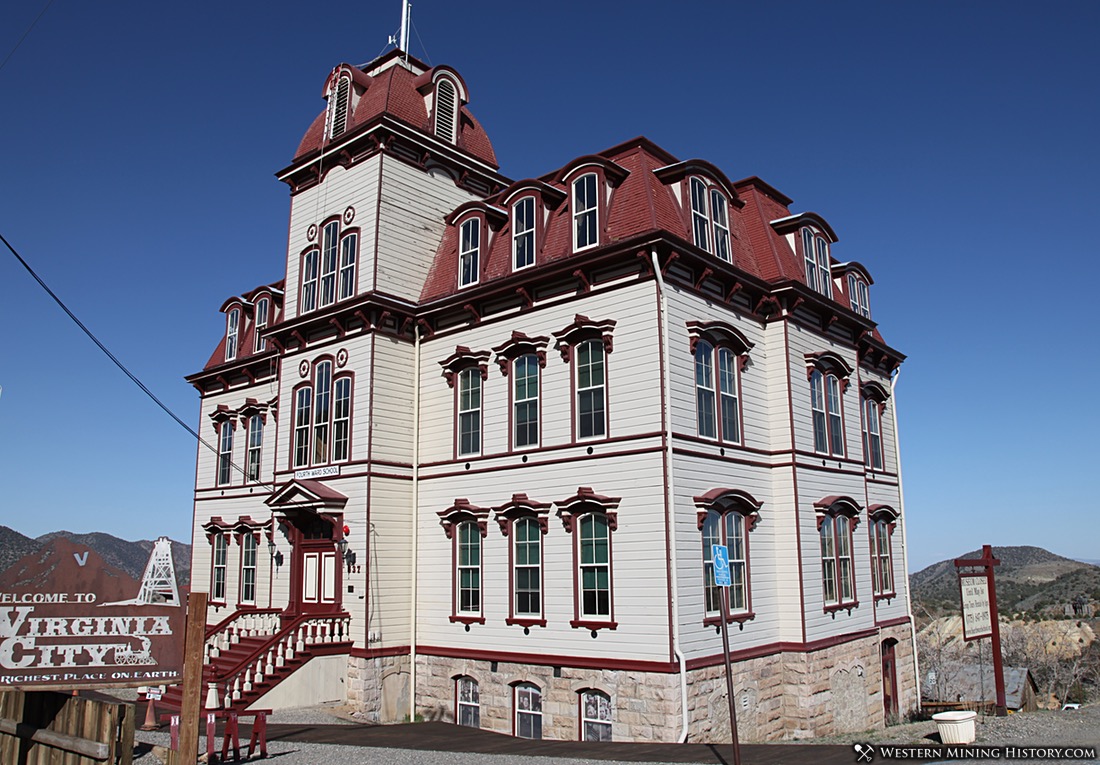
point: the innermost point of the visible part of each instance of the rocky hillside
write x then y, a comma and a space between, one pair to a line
128, 557
1029, 580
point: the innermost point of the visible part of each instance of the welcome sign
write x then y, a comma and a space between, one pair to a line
68, 620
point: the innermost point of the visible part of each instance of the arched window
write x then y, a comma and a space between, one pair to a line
815, 252
349, 250
595, 715
836, 518
585, 212
330, 246
469, 412
828, 423
872, 434
586, 344
469, 252
255, 446
467, 702
232, 332
263, 311
525, 401
710, 227
468, 569
322, 418
310, 270
858, 296
883, 521
726, 516
717, 410
523, 233
528, 707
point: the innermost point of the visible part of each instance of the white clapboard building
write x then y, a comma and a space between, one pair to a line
473, 450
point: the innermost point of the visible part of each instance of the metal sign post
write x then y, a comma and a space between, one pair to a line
721, 563
979, 604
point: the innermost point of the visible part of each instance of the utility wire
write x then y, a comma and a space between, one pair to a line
24, 37
103, 348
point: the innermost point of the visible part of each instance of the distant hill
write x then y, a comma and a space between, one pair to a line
1029, 579
128, 557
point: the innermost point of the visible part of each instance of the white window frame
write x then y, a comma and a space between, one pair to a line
468, 426
321, 445
700, 218
827, 406
322, 418
341, 418
872, 435
467, 702
349, 248
601, 723
255, 447
858, 296
525, 396
303, 413
588, 215
219, 560
263, 316
528, 706
530, 544
824, 274
729, 528
468, 576
330, 263
586, 367
523, 212
469, 252
602, 584
225, 454
311, 271
882, 574
232, 333
837, 565
719, 211
248, 569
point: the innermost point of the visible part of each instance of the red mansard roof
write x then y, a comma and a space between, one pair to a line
245, 335
640, 203
393, 91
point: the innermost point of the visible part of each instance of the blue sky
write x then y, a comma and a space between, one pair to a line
952, 146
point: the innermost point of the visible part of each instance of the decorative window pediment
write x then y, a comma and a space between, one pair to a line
464, 358
875, 391
883, 512
728, 500
462, 511
518, 345
583, 329
222, 414
588, 501
253, 408
720, 333
837, 504
521, 506
828, 362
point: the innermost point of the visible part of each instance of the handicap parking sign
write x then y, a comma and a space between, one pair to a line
721, 557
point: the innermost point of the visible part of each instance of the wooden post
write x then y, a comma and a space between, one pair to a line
986, 563
192, 678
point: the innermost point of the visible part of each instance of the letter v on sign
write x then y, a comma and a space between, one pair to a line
81, 559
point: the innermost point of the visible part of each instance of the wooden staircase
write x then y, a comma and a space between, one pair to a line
252, 651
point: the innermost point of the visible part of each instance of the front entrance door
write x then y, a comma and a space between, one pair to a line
889, 680
316, 577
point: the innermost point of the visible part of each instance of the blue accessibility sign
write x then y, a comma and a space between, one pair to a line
721, 557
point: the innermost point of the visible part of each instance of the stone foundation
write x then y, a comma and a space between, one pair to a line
379, 688
781, 696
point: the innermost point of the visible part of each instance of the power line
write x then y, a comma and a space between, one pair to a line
24, 37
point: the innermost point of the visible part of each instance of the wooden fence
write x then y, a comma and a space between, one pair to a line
50, 728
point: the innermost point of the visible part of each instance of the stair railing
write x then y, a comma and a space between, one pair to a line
251, 622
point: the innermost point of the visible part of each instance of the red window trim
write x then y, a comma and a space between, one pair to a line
836, 506
464, 512
520, 506
586, 501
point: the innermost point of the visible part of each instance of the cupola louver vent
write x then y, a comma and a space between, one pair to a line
340, 108
445, 110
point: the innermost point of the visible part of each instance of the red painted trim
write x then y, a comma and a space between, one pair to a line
374, 653
547, 659
562, 460
545, 449
512, 621
896, 622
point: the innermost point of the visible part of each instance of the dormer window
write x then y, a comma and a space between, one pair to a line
338, 107
232, 331
263, 309
815, 251
858, 296
469, 252
523, 233
710, 219
585, 212
446, 110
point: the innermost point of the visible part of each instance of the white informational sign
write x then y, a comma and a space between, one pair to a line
721, 557
977, 621
323, 472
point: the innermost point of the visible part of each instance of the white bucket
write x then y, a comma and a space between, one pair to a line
956, 727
